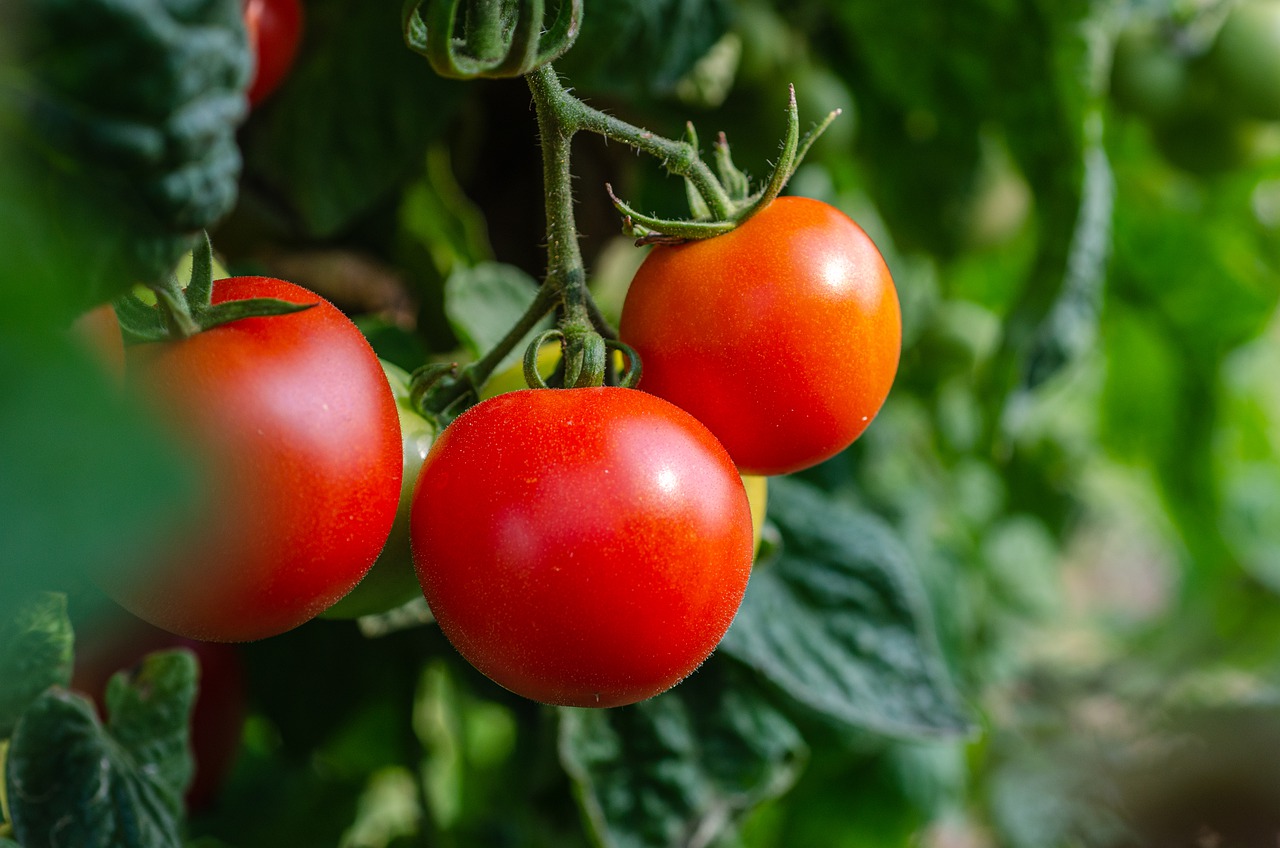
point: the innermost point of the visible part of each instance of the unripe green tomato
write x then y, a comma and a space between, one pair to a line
1246, 57
392, 582
1147, 77
758, 496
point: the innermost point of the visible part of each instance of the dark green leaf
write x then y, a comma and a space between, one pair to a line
682, 768
837, 620
349, 125
482, 304
73, 782
671, 35
35, 653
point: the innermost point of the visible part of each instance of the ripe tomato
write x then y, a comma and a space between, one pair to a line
217, 720
392, 581
275, 31
581, 547
781, 336
297, 430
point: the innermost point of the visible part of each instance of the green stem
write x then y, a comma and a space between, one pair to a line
476, 373
565, 269
678, 157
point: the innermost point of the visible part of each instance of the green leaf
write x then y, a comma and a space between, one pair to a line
682, 768
73, 782
349, 125
35, 653
482, 304
838, 621
670, 35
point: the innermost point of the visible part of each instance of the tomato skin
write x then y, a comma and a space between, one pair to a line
275, 32
781, 336
581, 547
297, 430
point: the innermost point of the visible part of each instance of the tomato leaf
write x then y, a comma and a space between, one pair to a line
73, 782
681, 768
35, 653
482, 304
838, 621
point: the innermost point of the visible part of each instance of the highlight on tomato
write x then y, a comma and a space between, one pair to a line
583, 547
781, 336
292, 421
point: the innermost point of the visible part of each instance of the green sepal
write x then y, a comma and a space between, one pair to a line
140, 321
255, 307
648, 229
735, 182
531, 375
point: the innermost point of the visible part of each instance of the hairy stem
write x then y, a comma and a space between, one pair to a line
678, 157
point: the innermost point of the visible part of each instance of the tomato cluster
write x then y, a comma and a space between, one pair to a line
582, 546
1212, 104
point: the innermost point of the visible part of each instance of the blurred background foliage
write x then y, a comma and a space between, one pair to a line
1080, 204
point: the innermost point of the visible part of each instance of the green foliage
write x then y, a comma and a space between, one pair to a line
681, 768
483, 302
118, 121
73, 781
35, 653
351, 122
837, 621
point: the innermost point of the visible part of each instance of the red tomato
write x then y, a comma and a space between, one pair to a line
275, 31
297, 429
581, 547
217, 720
781, 336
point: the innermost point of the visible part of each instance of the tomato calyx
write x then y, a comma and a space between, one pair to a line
499, 38
181, 312
712, 218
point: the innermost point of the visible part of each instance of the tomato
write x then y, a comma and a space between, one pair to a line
297, 431
1246, 56
782, 336
581, 547
217, 720
392, 581
275, 31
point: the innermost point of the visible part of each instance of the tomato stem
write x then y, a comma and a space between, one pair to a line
174, 309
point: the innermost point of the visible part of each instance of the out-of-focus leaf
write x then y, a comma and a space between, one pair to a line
671, 35
73, 782
35, 653
439, 218
682, 768
350, 123
838, 621
88, 481
117, 140
482, 304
